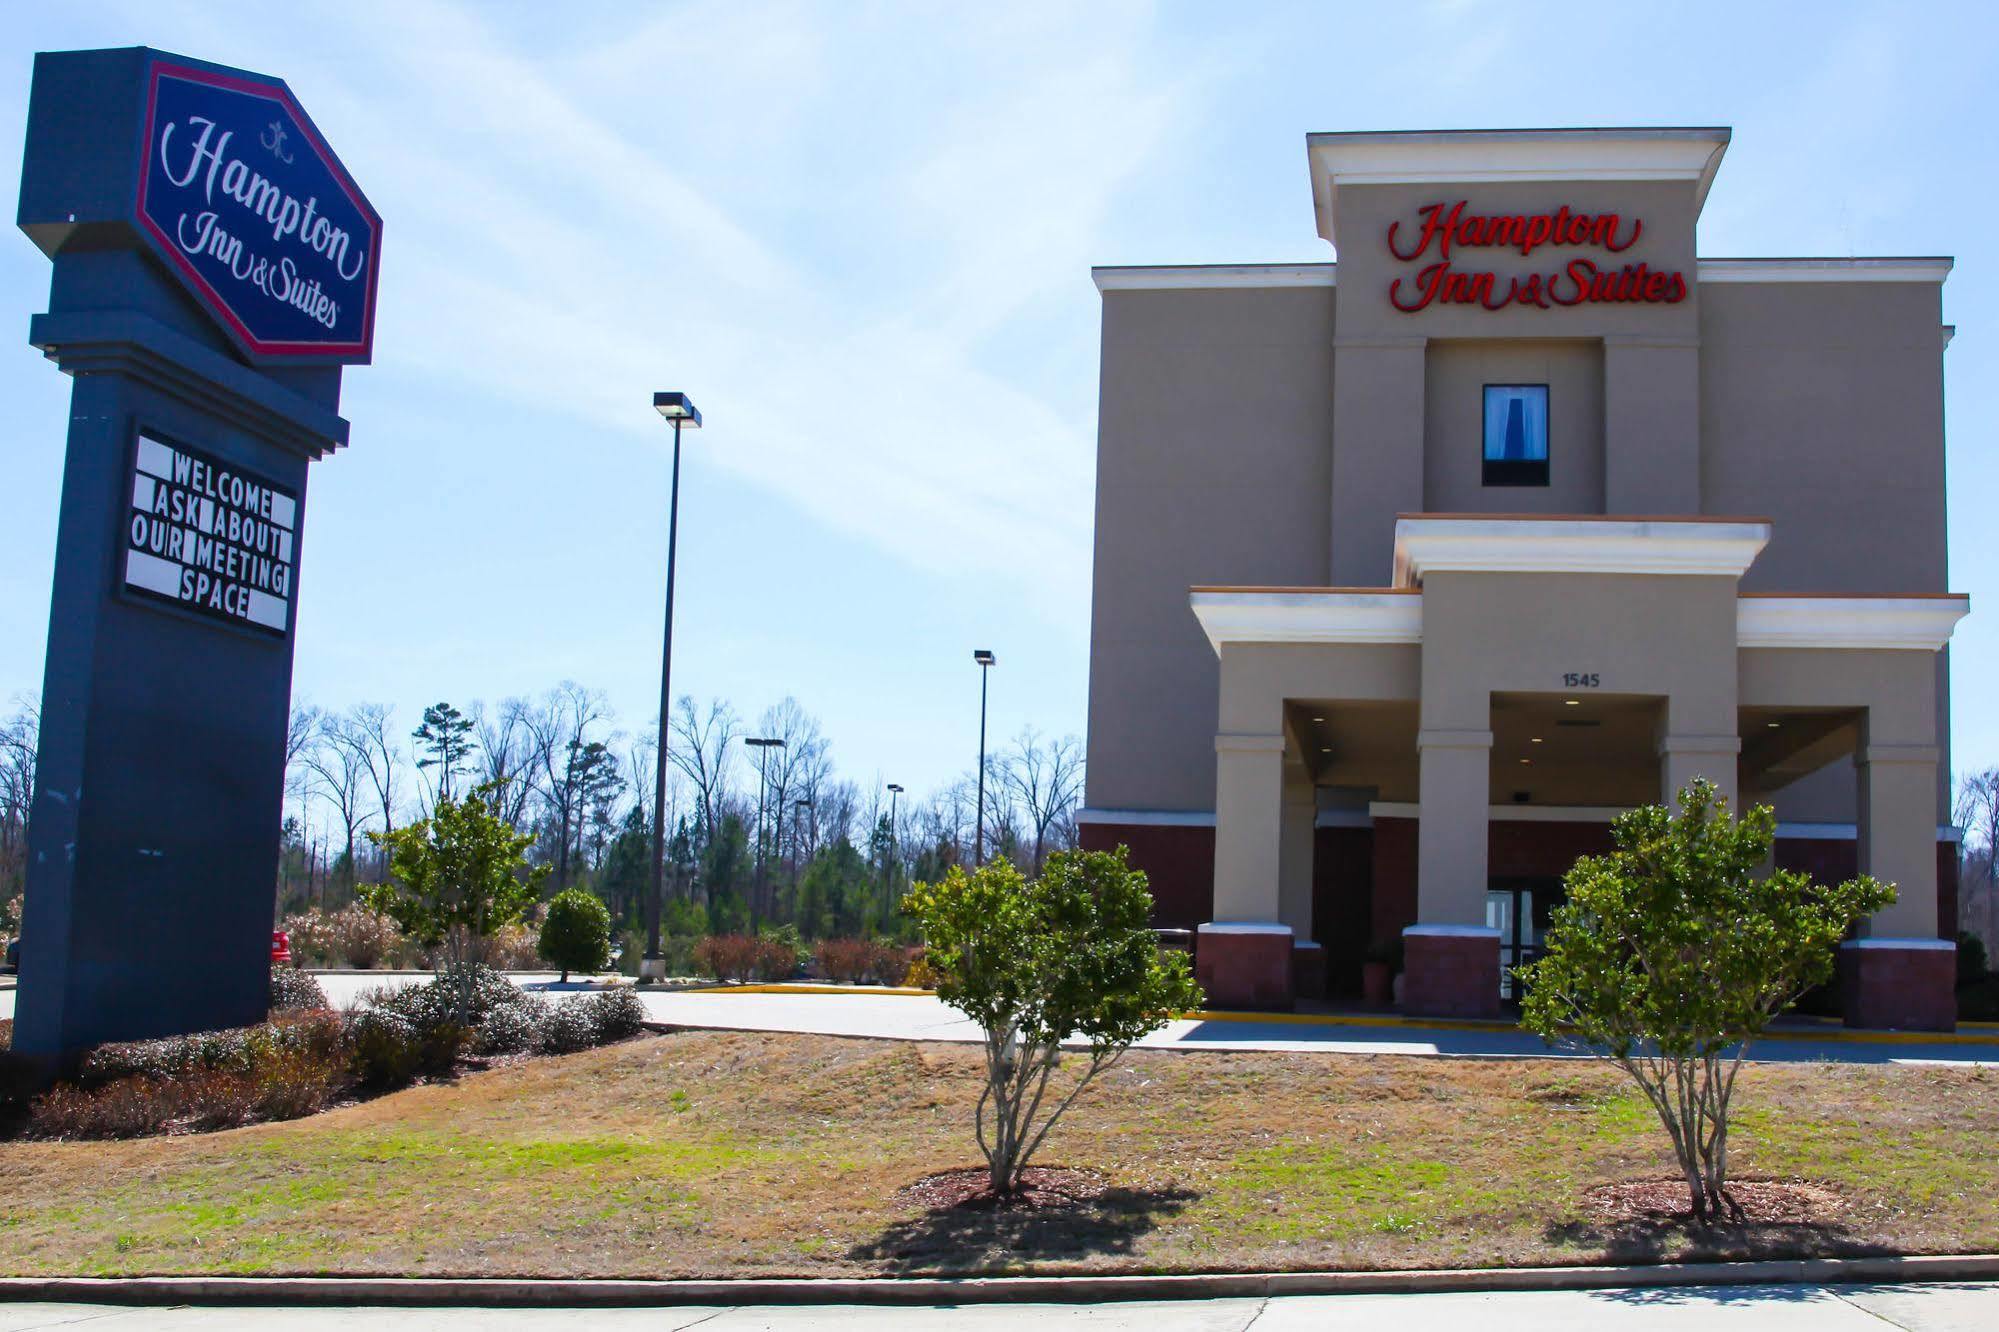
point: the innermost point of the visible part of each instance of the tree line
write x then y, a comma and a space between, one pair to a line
756, 836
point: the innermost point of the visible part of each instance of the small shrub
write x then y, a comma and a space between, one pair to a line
297, 1082
128, 1108
213, 1099
511, 1028
920, 975
387, 1048
727, 957
620, 1014
295, 991
575, 933
354, 936
863, 962
513, 948
1971, 959
777, 959
572, 1025
632, 951
843, 961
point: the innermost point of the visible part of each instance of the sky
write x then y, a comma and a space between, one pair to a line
860, 235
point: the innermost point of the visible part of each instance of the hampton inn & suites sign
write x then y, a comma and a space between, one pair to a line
1442, 231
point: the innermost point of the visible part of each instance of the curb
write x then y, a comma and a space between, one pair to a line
491, 1292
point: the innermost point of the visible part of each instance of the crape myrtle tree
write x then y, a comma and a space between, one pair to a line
455, 878
1035, 962
1675, 951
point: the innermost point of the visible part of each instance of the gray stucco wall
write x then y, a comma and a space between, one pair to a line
1213, 466
1815, 404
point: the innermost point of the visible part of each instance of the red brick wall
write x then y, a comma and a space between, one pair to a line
1541, 850
1394, 878
1179, 865
1364, 880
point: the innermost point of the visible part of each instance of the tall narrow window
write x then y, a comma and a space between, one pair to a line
1516, 435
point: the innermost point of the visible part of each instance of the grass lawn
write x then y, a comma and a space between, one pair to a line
740, 1154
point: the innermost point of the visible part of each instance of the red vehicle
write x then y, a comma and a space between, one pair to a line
281, 949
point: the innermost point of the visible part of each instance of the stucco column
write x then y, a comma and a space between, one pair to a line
1249, 815
1685, 757
1898, 834
1454, 790
1450, 956
1243, 956
1899, 974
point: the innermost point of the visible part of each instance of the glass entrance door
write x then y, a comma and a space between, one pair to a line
1518, 909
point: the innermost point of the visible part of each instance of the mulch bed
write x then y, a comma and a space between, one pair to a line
970, 1188
1763, 1201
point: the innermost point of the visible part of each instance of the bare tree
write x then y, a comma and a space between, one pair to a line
1977, 812
20, 735
794, 771
574, 767
702, 751
301, 731
508, 756
338, 762
1044, 777
372, 728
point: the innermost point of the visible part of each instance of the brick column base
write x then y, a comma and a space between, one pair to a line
1450, 971
1244, 964
1308, 969
1903, 984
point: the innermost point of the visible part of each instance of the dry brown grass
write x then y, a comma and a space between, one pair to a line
737, 1154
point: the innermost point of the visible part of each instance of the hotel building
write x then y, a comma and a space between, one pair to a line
1414, 569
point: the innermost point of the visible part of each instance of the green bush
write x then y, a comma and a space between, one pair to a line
571, 1026
620, 1014
1971, 958
387, 1048
295, 991
576, 933
583, 1021
511, 1028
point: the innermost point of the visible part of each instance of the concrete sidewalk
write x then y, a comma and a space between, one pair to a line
1924, 1308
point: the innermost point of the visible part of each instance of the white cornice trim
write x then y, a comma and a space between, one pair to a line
1919, 269
1426, 157
1426, 545
1174, 277
1922, 624
1150, 818
1308, 617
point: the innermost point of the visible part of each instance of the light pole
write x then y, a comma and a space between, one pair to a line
985, 658
679, 409
888, 857
763, 745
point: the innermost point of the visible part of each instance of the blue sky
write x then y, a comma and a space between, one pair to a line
860, 236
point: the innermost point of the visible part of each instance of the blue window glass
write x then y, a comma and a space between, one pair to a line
1516, 435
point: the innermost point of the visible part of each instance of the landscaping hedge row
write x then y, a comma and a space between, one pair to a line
306, 1057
